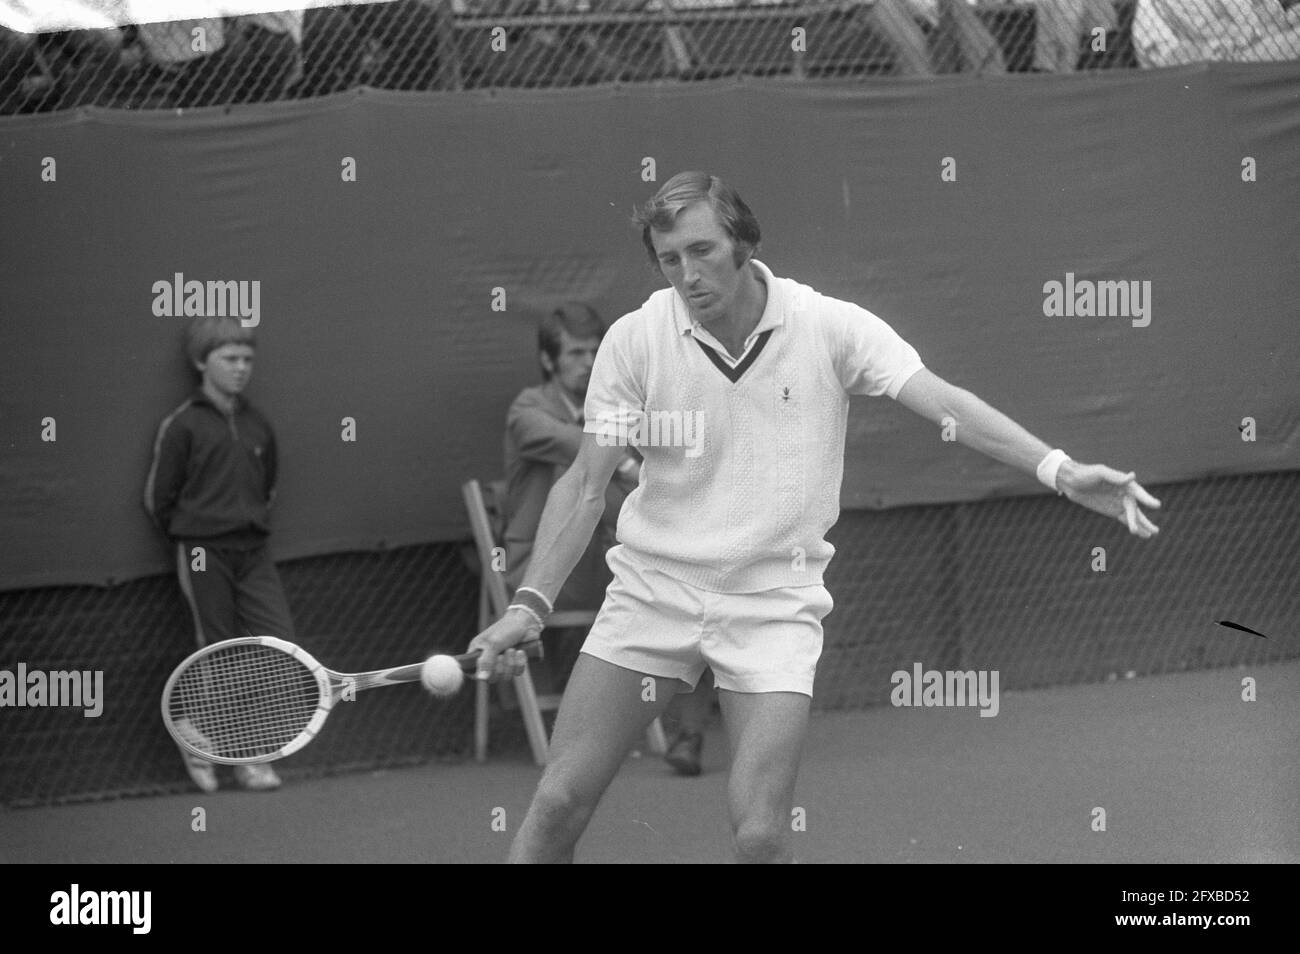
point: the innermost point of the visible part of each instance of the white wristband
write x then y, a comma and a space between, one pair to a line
1050, 465
550, 607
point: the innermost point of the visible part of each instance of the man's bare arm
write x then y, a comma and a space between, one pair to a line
986, 429
977, 424
573, 509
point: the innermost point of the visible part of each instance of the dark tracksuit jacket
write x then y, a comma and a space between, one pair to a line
213, 476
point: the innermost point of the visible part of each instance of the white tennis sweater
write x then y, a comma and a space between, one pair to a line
741, 479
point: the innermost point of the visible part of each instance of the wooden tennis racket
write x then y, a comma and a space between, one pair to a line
259, 698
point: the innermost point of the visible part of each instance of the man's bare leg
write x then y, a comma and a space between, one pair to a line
766, 731
603, 713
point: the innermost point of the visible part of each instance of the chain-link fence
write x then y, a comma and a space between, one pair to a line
355, 612
475, 44
1044, 592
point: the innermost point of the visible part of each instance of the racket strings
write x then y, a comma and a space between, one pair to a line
244, 701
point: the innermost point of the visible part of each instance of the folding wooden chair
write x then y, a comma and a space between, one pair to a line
493, 600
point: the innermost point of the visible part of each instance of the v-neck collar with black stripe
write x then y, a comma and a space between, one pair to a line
734, 373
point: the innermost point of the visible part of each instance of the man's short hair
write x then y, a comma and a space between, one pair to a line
205, 335
687, 188
579, 319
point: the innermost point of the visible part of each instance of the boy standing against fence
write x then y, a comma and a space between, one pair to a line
209, 490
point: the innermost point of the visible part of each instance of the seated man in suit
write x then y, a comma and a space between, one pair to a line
543, 434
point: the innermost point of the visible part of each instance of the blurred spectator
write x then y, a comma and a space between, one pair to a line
1173, 33
899, 22
63, 69
86, 64
411, 40
22, 74
100, 44
176, 43
1060, 27
265, 55
958, 41
244, 59
332, 52
184, 55
964, 44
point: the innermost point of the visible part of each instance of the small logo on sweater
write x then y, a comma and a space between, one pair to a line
785, 394
633, 427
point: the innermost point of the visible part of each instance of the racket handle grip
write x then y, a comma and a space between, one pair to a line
531, 647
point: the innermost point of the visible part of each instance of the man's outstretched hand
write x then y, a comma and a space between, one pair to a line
1109, 492
500, 660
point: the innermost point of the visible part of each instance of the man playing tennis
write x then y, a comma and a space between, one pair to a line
735, 384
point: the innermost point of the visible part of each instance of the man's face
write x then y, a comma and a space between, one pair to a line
227, 369
697, 257
573, 365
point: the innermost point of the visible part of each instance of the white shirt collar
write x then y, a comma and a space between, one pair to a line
773, 312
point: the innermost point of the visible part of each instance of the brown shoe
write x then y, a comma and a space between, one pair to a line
684, 754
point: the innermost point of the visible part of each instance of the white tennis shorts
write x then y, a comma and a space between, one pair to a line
754, 642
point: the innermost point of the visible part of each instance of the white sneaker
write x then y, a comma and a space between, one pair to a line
258, 777
202, 772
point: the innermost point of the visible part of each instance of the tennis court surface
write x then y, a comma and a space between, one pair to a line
1186, 771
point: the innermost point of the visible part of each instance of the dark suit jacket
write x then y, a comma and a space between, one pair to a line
541, 443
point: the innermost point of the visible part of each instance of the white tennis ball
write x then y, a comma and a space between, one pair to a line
442, 675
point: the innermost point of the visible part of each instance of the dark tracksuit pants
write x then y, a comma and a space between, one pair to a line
238, 593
